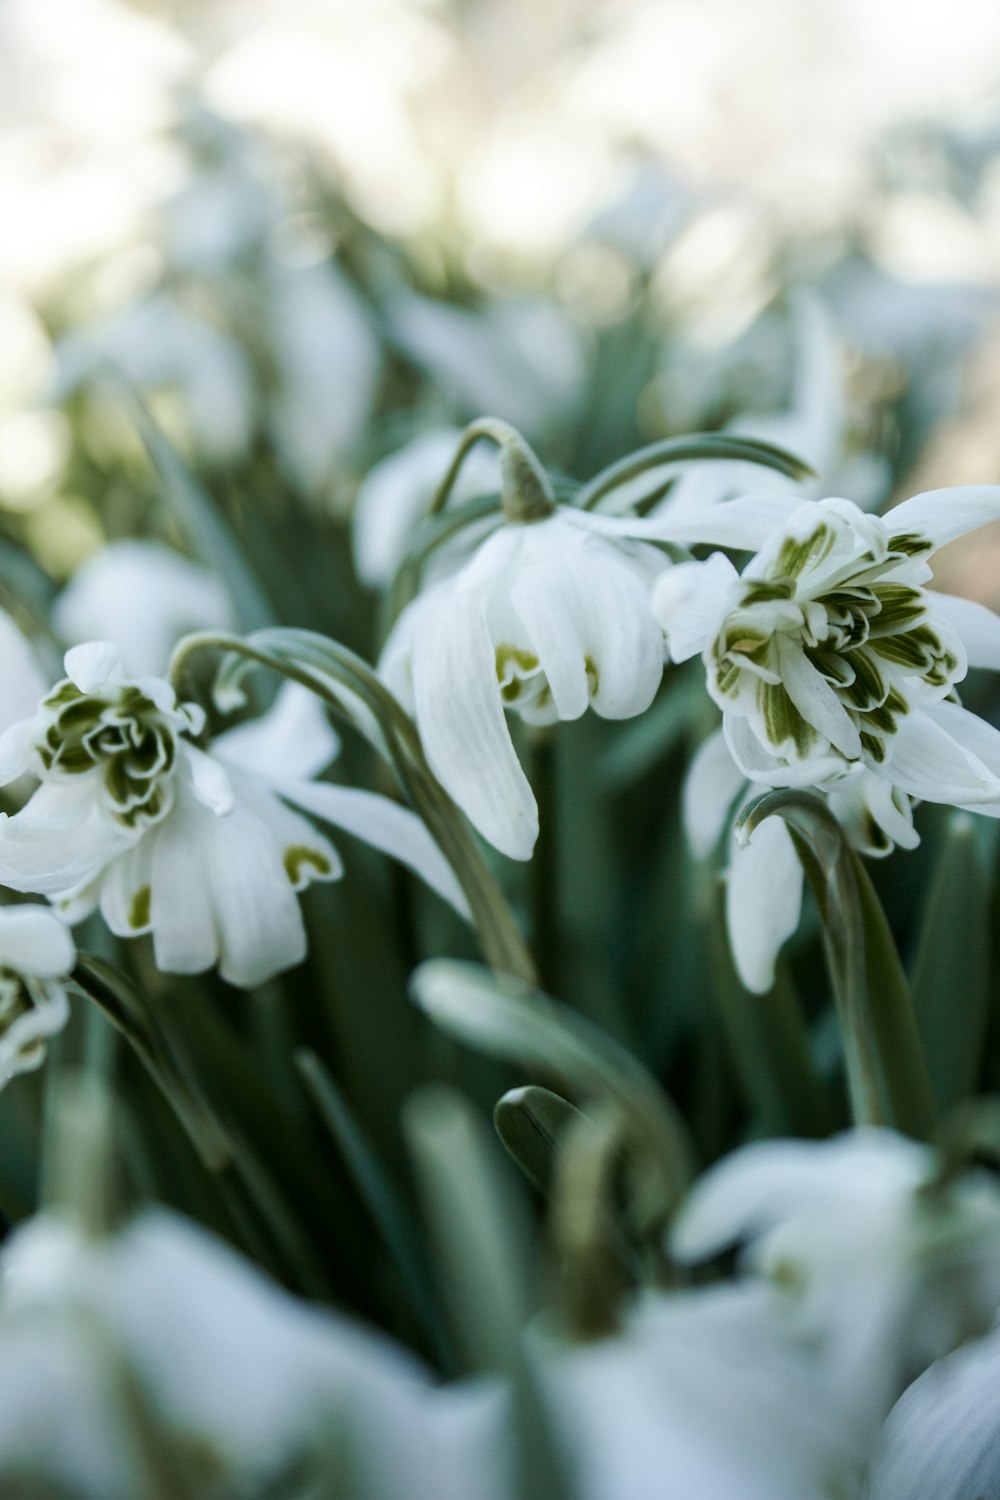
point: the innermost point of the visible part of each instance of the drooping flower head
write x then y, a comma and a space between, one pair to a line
192, 842
829, 657
36, 953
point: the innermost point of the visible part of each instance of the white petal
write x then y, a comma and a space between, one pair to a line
691, 600
546, 597
209, 780
971, 732
293, 739
185, 940
712, 784
938, 763
307, 855
22, 685
743, 524
126, 890
759, 764
978, 627
763, 901
942, 515
34, 941
94, 666
17, 748
815, 699
462, 724
744, 1194
59, 840
20, 1051
384, 825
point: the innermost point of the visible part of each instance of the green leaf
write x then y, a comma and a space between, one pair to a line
530, 1122
951, 970
886, 1071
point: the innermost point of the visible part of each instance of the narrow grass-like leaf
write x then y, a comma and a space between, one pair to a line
886, 1071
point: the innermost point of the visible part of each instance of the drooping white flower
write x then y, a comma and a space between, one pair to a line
143, 597
36, 954
870, 1264
764, 876
547, 619
829, 657
198, 846
242, 1383
396, 492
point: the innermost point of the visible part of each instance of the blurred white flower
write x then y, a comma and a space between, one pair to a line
197, 846
36, 953
547, 618
872, 1266
396, 492
764, 877
701, 1394
143, 597
242, 1382
828, 656
942, 1437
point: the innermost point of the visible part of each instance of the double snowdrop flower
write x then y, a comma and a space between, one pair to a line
873, 1263
193, 841
829, 658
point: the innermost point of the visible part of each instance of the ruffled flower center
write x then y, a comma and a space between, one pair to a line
123, 734
854, 630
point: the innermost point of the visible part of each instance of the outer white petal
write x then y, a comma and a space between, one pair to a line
384, 825
257, 915
462, 724
763, 902
978, 627
125, 889
58, 841
548, 597
743, 524
94, 665
181, 915
815, 699
758, 764
293, 739
942, 515
712, 784
22, 1045
744, 1194
937, 758
691, 601
17, 748
34, 941
209, 780
22, 685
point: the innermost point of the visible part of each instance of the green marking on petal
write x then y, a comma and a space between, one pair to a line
138, 916
874, 747
782, 720
299, 857
593, 675
795, 557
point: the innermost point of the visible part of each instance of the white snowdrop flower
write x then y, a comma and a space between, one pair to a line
870, 1264
396, 492
143, 597
36, 954
240, 1378
546, 619
702, 1394
829, 657
764, 877
198, 846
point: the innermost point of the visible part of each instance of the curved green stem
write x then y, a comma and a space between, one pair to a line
697, 446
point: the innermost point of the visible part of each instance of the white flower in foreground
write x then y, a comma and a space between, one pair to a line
942, 1438
764, 877
701, 1395
36, 954
242, 1383
548, 618
143, 597
876, 1270
829, 657
198, 846
395, 494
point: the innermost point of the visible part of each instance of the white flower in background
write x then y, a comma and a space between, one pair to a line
22, 681
871, 1266
243, 1383
702, 1395
143, 597
814, 426
942, 1437
829, 657
396, 492
764, 877
546, 619
36, 954
197, 846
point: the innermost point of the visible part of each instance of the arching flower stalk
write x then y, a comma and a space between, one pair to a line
194, 841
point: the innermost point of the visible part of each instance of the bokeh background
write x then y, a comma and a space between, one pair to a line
305, 230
